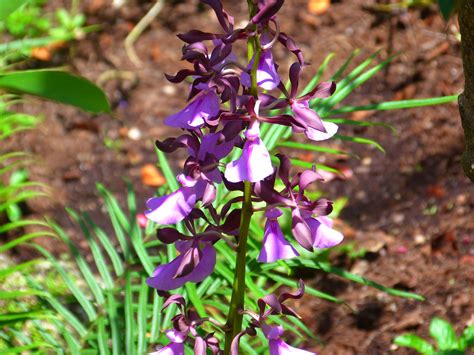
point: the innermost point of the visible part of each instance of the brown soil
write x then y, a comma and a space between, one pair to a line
411, 207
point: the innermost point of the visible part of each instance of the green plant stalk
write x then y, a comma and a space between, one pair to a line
234, 319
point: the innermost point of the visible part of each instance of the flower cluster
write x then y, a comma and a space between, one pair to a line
229, 100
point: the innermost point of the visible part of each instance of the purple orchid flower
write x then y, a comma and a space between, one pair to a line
255, 163
196, 261
275, 246
310, 232
267, 75
200, 174
176, 347
185, 324
173, 208
277, 346
306, 119
204, 107
272, 305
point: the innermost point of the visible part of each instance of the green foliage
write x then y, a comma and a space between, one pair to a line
58, 86
28, 22
447, 342
332, 108
10, 6
105, 305
448, 7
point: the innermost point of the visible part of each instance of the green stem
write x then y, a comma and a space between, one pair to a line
234, 319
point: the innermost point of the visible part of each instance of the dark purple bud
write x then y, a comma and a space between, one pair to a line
222, 17
170, 235
295, 71
266, 10
284, 169
270, 300
320, 91
197, 36
180, 76
293, 295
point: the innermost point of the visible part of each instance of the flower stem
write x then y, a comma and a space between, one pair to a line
234, 319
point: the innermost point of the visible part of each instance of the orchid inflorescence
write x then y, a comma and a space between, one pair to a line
228, 103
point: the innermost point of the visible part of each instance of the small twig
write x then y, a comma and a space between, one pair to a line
138, 30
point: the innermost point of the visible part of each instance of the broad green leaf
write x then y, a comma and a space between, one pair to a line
415, 342
448, 7
444, 334
57, 86
9, 6
468, 335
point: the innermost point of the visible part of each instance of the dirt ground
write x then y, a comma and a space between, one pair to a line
411, 208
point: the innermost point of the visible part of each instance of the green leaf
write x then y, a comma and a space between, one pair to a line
448, 7
142, 317
415, 342
9, 6
468, 335
129, 319
444, 334
78, 294
57, 86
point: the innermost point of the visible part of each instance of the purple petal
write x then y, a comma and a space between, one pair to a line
204, 107
321, 91
272, 332
301, 230
307, 117
307, 178
162, 278
171, 349
295, 71
316, 135
199, 346
275, 246
173, 208
323, 234
267, 9
279, 347
175, 336
267, 75
254, 164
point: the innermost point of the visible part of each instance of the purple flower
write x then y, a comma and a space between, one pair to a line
204, 107
310, 232
196, 262
277, 346
267, 75
254, 164
176, 347
307, 120
317, 129
324, 236
185, 323
275, 247
173, 208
